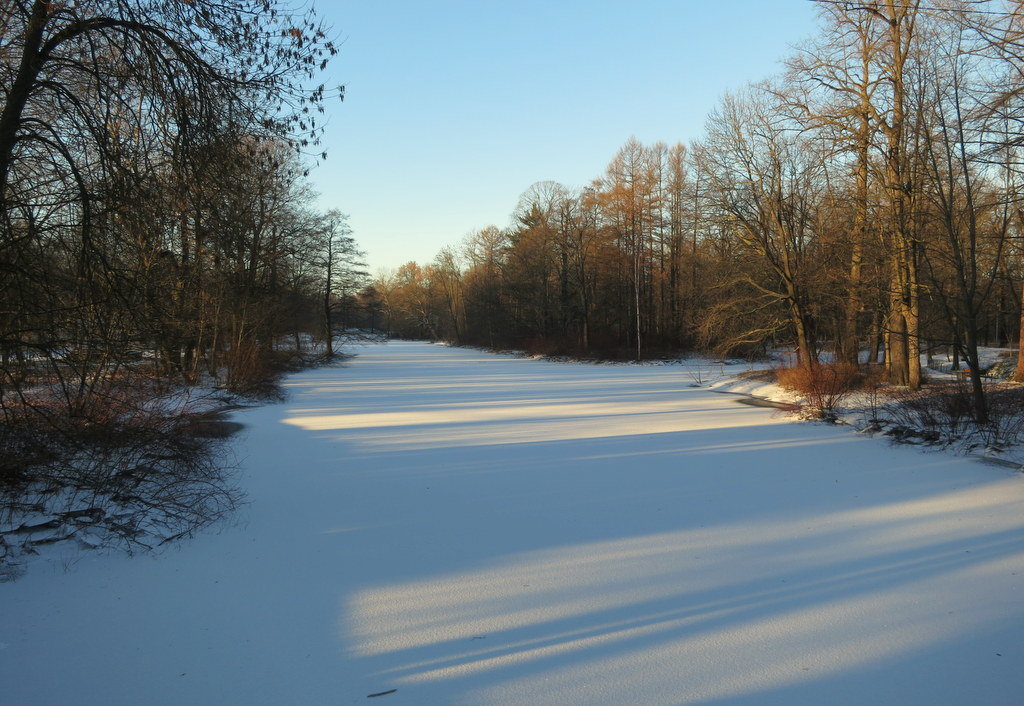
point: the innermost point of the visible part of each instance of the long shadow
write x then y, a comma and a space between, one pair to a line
808, 531
707, 610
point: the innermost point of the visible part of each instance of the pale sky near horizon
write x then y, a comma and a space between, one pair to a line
453, 108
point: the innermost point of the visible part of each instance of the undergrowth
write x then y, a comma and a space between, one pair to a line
130, 468
823, 387
943, 414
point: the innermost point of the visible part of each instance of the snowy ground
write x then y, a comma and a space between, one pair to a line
473, 529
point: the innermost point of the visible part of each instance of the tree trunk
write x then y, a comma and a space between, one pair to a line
849, 351
876, 337
1018, 373
21, 88
896, 347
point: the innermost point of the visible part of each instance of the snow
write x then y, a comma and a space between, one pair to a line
467, 528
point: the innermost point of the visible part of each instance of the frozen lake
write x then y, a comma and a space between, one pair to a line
466, 528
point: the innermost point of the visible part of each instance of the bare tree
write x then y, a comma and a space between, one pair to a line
764, 181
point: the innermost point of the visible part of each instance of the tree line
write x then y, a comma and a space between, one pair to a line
866, 202
153, 196
157, 238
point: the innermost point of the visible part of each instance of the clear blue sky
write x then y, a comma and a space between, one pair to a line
454, 108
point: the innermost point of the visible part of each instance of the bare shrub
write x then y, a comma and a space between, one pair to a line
701, 376
254, 371
823, 386
129, 472
943, 414
248, 371
936, 414
1006, 417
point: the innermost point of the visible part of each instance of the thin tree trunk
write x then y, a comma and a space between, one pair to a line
1018, 373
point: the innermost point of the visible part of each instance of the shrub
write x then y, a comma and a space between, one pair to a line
823, 386
128, 469
939, 412
248, 370
944, 414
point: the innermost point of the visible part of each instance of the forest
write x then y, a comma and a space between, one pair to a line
157, 238
864, 206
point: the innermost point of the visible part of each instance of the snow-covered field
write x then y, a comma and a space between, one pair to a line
473, 529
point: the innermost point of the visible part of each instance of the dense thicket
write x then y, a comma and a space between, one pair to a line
866, 202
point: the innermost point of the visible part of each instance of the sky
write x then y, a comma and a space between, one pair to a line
454, 108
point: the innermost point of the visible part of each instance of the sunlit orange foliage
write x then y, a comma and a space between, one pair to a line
823, 386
